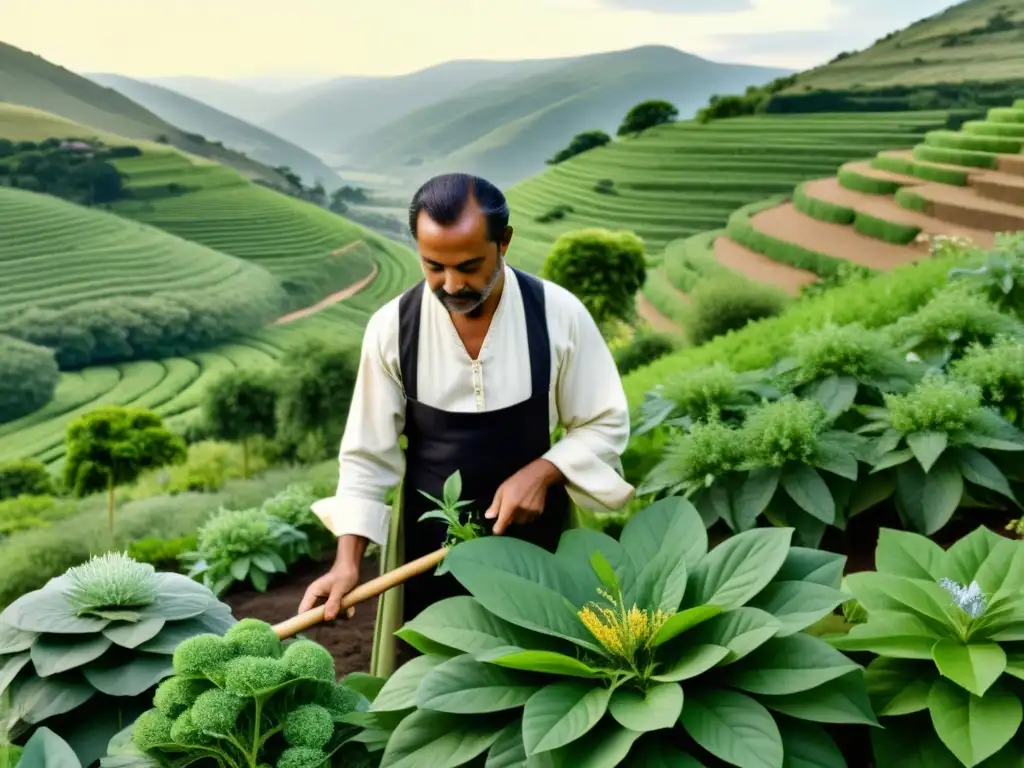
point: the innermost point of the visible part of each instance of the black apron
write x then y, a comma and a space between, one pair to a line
486, 448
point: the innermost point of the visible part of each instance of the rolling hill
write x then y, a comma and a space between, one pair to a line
978, 41
197, 117
32, 81
505, 129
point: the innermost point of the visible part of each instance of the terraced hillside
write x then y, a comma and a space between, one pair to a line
876, 213
686, 179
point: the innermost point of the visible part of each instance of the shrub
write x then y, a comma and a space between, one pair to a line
584, 656
604, 269
208, 466
28, 377
24, 513
25, 478
240, 406
720, 305
554, 214
998, 372
112, 445
268, 705
294, 506
645, 347
646, 115
1001, 277
162, 554
99, 637
580, 143
942, 627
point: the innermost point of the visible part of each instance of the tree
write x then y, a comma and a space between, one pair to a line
239, 406
604, 269
646, 115
28, 377
581, 143
28, 477
112, 445
316, 383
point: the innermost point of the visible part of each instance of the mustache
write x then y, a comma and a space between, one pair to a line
466, 294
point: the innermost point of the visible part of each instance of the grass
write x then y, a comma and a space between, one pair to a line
958, 45
680, 180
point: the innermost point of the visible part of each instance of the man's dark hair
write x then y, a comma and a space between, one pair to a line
444, 198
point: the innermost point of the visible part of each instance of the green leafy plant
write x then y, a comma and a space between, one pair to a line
162, 554
998, 371
460, 527
25, 478
294, 506
243, 545
946, 629
245, 700
99, 637
1001, 277
582, 657
24, 513
933, 444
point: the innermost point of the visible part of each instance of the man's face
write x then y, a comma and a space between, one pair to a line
461, 266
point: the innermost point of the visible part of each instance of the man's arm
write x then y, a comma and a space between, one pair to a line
370, 460
593, 410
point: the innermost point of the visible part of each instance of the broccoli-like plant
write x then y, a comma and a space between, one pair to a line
240, 545
246, 700
98, 638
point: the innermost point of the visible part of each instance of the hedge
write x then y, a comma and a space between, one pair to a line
923, 171
866, 224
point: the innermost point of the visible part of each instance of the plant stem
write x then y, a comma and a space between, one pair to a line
256, 743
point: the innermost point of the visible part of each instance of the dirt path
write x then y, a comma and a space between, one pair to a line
887, 209
760, 268
786, 223
650, 314
331, 300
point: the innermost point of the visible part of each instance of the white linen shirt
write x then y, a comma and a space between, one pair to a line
586, 398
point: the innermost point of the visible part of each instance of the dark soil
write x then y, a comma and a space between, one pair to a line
349, 641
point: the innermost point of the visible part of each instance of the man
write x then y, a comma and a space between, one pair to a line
476, 365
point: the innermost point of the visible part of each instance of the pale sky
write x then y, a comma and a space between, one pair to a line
238, 38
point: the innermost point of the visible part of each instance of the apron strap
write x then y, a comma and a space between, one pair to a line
536, 331
409, 307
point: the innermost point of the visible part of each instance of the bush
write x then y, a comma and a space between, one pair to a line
651, 647
645, 347
162, 554
25, 478
28, 377
24, 513
604, 269
554, 214
241, 406
720, 305
581, 142
646, 115
209, 466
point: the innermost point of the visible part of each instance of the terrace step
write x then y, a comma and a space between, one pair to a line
785, 222
965, 207
864, 168
760, 268
1000, 186
1012, 164
887, 209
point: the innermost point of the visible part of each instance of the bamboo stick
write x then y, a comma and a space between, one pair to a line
372, 588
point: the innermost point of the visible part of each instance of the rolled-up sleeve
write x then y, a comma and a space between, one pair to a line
594, 412
370, 459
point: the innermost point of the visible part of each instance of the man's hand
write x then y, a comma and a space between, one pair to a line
333, 586
521, 498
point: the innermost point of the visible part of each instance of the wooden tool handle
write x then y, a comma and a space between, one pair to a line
363, 592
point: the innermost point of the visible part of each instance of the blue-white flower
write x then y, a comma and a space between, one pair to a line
969, 599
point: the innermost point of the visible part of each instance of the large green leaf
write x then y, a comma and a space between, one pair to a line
835, 393
136, 676
899, 686
178, 598
14, 640
739, 631
973, 727
466, 686
753, 495
547, 662
216, 620
885, 592
805, 486
48, 750
35, 699
605, 746
653, 752
132, 635
911, 746
812, 565
988, 558
693, 660
654, 709
47, 610
797, 604
52, 654
843, 700
739, 568
789, 665
900, 635
807, 745
902, 553
980, 470
927, 447
440, 740
734, 728
521, 583
575, 549
508, 751
424, 644
399, 692
683, 621
665, 524
975, 666
1002, 621
942, 492
10, 666
462, 623
661, 585
562, 712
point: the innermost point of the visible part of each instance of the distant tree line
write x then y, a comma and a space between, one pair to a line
112, 330
73, 169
